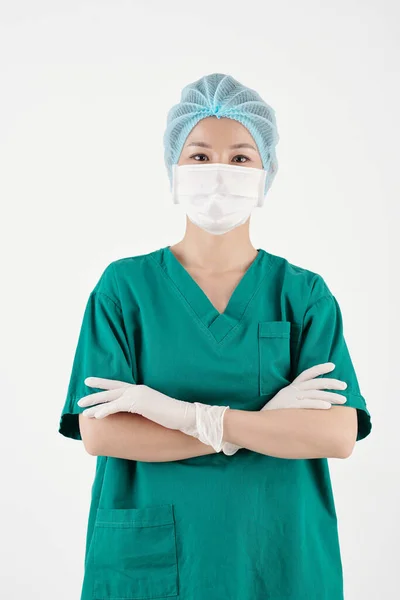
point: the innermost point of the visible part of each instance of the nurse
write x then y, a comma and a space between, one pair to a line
212, 381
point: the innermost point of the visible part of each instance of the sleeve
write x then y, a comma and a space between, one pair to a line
102, 351
322, 340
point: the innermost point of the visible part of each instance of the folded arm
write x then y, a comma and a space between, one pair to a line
285, 433
294, 432
133, 437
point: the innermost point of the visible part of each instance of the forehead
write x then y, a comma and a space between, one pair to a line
222, 130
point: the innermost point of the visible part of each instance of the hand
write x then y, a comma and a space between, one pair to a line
304, 392
203, 421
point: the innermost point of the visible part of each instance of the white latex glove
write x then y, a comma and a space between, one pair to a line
203, 421
304, 392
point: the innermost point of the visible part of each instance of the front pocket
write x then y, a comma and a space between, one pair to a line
274, 356
134, 553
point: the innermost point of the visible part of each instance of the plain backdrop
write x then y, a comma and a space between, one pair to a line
85, 90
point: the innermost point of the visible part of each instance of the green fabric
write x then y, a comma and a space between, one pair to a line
215, 527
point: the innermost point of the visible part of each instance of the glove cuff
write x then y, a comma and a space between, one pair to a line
230, 449
209, 424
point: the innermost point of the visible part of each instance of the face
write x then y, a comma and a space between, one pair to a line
220, 141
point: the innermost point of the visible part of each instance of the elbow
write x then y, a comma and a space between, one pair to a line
345, 449
345, 445
346, 432
90, 449
90, 446
87, 434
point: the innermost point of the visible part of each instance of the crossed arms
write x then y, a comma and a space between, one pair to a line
282, 433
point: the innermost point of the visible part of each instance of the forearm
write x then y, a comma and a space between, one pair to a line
132, 437
293, 432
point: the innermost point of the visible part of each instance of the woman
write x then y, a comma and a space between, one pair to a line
209, 359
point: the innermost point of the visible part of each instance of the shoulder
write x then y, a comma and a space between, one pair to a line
299, 281
120, 270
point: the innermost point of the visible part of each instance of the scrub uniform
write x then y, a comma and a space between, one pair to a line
215, 527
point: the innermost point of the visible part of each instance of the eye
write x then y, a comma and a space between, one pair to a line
194, 156
199, 158
242, 156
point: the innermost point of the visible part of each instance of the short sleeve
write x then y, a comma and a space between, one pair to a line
102, 351
322, 340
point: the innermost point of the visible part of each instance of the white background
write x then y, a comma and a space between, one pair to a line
85, 90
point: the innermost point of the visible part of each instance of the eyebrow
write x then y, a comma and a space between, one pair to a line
240, 145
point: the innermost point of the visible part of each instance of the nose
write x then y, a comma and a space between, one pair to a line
219, 187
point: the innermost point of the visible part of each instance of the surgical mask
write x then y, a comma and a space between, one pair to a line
218, 197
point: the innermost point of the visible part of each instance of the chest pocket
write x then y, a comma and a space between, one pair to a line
274, 353
135, 553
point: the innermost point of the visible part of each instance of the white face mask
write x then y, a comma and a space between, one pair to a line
218, 197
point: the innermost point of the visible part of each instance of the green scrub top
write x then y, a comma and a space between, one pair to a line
214, 527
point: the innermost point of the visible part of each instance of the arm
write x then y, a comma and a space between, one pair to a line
285, 433
133, 437
294, 433
207, 424
304, 433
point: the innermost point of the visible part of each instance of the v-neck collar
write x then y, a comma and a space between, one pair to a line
218, 324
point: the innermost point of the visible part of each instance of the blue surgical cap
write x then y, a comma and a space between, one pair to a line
221, 95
